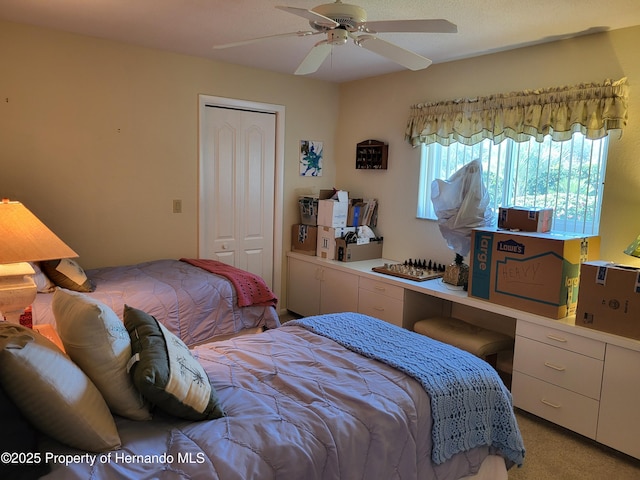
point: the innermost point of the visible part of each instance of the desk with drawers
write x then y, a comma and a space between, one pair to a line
582, 379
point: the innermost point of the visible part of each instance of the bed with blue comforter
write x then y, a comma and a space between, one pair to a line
340, 396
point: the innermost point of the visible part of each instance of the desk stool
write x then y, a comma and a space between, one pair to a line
479, 341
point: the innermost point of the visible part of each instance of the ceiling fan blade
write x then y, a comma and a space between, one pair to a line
268, 37
312, 16
411, 26
406, 58
314, 58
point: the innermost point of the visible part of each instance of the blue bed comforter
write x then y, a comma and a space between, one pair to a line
470, 405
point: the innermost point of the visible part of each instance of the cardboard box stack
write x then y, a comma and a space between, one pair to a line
535, 272
327, 218
609, 298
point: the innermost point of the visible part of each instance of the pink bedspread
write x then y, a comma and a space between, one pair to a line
250, 289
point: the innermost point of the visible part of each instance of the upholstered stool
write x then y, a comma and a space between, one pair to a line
481, 342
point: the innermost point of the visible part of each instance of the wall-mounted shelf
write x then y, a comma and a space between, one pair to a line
372, 155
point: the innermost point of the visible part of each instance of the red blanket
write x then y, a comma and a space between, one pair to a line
250, 288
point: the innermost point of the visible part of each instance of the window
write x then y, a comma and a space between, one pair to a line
567, 176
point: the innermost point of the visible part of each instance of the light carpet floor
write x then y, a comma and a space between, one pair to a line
554, 453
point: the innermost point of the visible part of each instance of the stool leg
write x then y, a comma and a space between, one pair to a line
492, 359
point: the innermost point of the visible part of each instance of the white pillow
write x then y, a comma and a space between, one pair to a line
98, 342
52, 392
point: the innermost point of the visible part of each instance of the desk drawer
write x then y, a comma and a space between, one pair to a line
567, 341
573, 371
380, 306
563, 407
381, 288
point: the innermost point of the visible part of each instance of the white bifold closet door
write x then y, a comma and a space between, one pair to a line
237, 173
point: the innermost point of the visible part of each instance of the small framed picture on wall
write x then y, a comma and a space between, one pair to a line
310, 158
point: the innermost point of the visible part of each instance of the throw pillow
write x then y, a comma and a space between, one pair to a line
18, 437
165, 371
66, 273
97, 341
52, 392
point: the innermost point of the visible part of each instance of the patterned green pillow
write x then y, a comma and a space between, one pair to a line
165, 372
67, 273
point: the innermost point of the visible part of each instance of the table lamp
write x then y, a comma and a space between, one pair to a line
23, 239
634, 248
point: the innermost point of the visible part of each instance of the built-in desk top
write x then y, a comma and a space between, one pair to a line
437, 288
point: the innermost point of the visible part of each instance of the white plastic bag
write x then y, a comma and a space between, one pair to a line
461, 204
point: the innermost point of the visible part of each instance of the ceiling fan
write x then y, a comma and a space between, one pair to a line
342, 21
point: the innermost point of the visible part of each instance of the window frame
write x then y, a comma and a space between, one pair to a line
431, 158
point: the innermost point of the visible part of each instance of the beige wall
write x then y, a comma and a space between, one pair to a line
378, 108
97, 138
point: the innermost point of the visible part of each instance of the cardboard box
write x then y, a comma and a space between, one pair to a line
525, 219
609, 298
362, 212
535, 272
326, 246
333, 213
352, 252
304, 239
308, 210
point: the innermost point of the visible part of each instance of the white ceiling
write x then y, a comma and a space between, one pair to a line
193, 26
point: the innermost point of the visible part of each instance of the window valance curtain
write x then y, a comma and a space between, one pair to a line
592, 109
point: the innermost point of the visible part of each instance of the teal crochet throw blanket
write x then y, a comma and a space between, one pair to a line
470, 405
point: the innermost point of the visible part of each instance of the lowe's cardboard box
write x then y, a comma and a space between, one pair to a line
326, 245
534, 272
609, 298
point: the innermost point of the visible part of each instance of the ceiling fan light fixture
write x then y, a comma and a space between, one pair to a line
347, 15
337, 36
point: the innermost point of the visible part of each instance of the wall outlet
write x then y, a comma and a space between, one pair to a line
177, 206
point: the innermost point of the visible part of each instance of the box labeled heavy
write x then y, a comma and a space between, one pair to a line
304, 239
352, 252
535, 272
333, 212
525, 219
326, 246
609, 298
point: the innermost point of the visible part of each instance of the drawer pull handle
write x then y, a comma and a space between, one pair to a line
378, 309
547, 402
379, 288
555, 367
557, 339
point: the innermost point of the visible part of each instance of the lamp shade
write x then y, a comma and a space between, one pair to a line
24, 238
634, 248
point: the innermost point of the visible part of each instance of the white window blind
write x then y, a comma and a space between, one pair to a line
567, 176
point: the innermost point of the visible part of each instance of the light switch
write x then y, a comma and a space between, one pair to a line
177, 206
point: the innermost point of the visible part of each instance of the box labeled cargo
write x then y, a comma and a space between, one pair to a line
333, 213
609, 298
352, 252
304, 239
525, 219
326, 246
535, 272
308, 210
